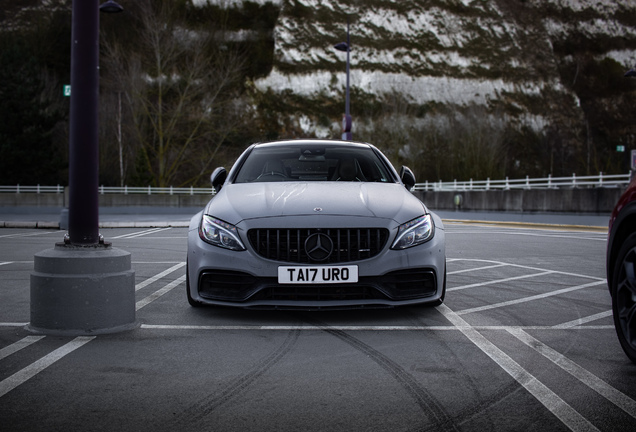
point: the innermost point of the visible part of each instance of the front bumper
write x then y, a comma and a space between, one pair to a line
245, 279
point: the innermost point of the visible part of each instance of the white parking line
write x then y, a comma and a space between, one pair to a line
477, 269
530, 298
557, 406
352, 328
158, 276
154, 296
5, 263
136, 233
616, 397
600, 237
184, 238
448, 260
17, 346
145, 234
30, 371
140, 233
348, 328
500, 281
28, 234
296, 327
584, 320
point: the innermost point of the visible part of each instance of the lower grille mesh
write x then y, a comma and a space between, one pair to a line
234, 286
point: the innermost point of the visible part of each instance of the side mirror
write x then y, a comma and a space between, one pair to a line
218, 178
407, 177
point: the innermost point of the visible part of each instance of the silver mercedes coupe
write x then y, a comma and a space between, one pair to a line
315, 224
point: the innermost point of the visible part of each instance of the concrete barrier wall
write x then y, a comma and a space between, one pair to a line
31, 200
141, 200
106, 200
593, 200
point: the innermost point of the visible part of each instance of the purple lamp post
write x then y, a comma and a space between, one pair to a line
346, 121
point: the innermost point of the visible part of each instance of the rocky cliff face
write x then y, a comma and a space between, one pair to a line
456, 89
544, 77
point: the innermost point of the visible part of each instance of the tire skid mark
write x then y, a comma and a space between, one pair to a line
463, 416
238, 385
435, 411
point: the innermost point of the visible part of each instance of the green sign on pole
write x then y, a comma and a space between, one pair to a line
67, 90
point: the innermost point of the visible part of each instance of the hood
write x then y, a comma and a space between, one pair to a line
238, 202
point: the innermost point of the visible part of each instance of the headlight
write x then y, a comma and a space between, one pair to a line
415, 232
219, 233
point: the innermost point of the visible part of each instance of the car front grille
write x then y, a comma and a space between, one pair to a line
289, 245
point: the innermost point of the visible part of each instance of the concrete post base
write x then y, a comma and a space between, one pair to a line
82, 290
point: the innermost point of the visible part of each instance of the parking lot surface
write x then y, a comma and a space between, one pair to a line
524, 341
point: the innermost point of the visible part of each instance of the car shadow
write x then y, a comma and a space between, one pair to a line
373, 318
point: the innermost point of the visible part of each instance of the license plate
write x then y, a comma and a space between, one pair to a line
317, 275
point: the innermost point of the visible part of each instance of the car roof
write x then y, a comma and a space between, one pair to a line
317, 142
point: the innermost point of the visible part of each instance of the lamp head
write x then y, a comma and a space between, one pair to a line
111, 7
342, 46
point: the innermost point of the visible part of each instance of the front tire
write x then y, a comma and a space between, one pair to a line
623, 290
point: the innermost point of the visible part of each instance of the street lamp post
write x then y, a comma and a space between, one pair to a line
83, 285
83, 213
346, 121
83, 216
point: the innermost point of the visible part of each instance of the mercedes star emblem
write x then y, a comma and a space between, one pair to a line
318, 247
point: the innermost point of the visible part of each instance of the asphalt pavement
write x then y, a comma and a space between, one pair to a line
524, 341
132, 217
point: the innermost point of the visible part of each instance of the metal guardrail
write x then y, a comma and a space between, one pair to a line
601, 180
149, 190
32, 189
125, 190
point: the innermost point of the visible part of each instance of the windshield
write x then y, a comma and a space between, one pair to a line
313, 163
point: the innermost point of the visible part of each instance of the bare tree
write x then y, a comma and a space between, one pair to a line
179, 89
464, 143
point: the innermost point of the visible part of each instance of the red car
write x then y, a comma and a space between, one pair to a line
621, 269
